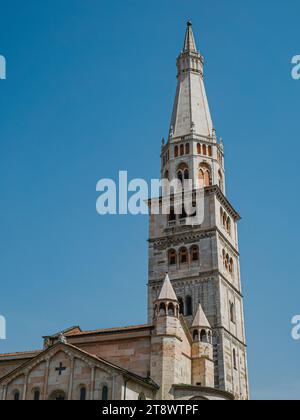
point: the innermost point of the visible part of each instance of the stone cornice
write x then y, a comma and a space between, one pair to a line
220, 327
213, 391
215, 189
201, 276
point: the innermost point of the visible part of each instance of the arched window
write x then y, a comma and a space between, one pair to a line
182, 150
171, 310
187, 149
183, 256
231, 266
196, 335
224, 220
166, 175
209, 151
207, 178
162, 309
183, 214
172, 215
228, 225
199, 149
194, 253
204, 176
36, 395
186, 174
105, 393
203, 337
221, 184
180, 176
232, 312
83, 393
224, 257
227, 262
209, 336
181, 306
176, 151
16, 395
155, 311
189, 306
204, 149
172, 257
142, 397
234, 359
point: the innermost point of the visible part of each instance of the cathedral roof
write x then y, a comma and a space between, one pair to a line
167, 291
200, 319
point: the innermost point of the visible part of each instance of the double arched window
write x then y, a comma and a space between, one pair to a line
225, 221
228, 262
183, 172
204, 175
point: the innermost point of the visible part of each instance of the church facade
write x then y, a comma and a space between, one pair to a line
193, 346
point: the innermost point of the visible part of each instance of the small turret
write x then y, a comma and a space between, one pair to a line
165, 341
167, 304
202, 351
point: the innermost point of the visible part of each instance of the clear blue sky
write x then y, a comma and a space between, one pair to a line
89, 92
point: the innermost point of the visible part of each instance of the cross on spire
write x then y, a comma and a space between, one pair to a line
60, 368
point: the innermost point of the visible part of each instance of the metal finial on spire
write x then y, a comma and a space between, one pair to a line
189, 41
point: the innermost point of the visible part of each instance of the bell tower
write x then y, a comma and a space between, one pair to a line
202, 260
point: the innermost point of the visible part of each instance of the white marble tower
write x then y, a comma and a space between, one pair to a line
202, 260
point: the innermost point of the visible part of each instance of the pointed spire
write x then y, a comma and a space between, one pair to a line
167, 291
191, 114
189, 41
200, 319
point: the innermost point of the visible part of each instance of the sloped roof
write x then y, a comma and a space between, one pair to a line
167, 292
200, 319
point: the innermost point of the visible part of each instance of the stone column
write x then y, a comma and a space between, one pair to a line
71, 379
46, 377
25, 386
93, 371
